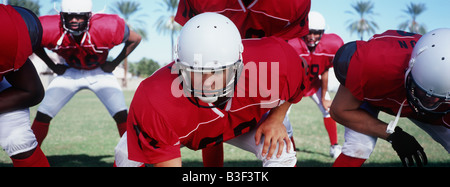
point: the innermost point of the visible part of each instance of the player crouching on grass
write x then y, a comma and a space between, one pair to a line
398, 73
20, 86
212, 94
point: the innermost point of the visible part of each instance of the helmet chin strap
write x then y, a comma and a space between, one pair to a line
393, 124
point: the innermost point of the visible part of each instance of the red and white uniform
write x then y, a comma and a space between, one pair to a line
16, 46
161, 119
15, 41
84, 60
105, 32
283, 18
320, 60
378, 78
376, 75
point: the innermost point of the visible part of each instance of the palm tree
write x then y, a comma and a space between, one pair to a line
166, 23
129, 10
364, 9
414, 10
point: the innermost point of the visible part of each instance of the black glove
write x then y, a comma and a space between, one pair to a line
407, 148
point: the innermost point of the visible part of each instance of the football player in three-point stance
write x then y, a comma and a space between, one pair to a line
402, 74
254, 19
83, 39
319, 48
20, 86
215, 92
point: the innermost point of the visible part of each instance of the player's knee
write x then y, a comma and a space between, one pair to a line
121, 117
121, 154
19, 141
287, 158
44, 118
358, 150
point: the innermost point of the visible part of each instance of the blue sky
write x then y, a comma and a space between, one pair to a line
389, 15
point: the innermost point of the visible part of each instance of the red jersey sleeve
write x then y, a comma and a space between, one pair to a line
15, 40
52, 30
107, 30
150, 139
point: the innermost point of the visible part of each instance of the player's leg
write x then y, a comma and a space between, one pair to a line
329, 123
213, 156
111, 95
357, 147
121, 155
439, 134
356, 150
247, 142
121, 120
18, 140
58, 94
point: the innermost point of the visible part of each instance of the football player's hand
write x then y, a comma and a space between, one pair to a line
407, 148
60, 69
108, 67
326, 104
274, 133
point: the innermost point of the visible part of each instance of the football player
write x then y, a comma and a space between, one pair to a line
254, 18
216, 91
83, 39
20, 86
399, 73
319, 48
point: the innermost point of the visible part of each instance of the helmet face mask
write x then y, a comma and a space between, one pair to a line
209, 84
78, 27
313, 38
81, 10
424, 102
208, 56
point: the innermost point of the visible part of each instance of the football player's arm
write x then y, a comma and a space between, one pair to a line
346, 110
130, 44
325, 102
56, 68
274, 131
26, 89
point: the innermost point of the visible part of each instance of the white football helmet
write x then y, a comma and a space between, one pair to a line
316, 25
209, 45
428, 76
316, 21
71, 8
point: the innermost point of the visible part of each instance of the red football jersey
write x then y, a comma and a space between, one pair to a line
161, 119
376, 74
105, 32
15, 40
283, 18
320, 60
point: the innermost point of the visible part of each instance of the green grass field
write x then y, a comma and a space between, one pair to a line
84, 135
